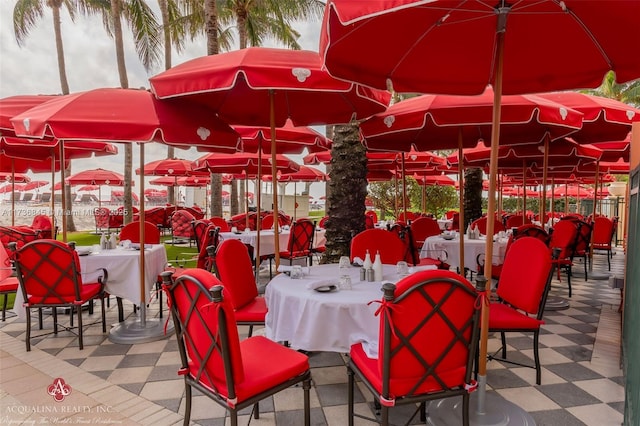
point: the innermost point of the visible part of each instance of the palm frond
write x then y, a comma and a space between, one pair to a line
146, 32
25, 15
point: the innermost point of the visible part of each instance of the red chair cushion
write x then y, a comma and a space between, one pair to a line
88, 291
254, 311
9, 285
371, 370
266, 364
503, 317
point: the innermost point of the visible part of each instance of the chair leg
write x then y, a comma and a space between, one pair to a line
503, 339
80, 341
233, 417
536, 356
104, 316
423, 412
54, 311
250, 330
4, 307
40, 318
256, 410
351, 375
585, 267
465, 409
569, 278
384, 416
28, 339
120, 309
306, 386
609, 255
187, 408
159, 293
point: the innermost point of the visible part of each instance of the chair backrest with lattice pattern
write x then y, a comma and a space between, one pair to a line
206, 329
301, 237
18, 234
235, 270
44, 224
428, 333
211, 238
181, 224
49, 272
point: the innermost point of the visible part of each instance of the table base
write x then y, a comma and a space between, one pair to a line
498, 411
135, 330
555, 303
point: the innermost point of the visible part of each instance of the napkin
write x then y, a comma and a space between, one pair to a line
413, 269
358, 261
323, 283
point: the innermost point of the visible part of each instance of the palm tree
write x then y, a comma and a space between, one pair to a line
345, 202
145, 28
628, 93
472, 196
25, 15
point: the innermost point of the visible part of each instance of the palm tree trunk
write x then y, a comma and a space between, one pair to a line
64, 85
164, 13
472, 196
116, 13
211, 31
346, 202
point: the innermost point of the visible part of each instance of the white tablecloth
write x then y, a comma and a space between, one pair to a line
434, 246
267, 238
332, 322
123, 267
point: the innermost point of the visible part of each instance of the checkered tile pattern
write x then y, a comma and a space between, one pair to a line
582, 383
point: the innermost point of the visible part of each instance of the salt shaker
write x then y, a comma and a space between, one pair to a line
363, 274
370, 275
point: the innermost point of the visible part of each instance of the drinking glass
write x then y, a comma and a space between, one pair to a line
296, 272
402, 268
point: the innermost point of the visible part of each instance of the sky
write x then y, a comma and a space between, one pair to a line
90, 63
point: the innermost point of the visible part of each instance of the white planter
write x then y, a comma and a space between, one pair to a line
618, 189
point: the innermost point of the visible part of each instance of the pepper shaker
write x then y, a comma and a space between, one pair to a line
370, 275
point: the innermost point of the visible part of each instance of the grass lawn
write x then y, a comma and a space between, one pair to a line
177, 255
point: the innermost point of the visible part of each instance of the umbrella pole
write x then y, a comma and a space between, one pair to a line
543, 203
461, 229
13, 193
524, 192
53, 181
63, 197
404, 188
274, 175
246, 201
566, 198
133, 330
295, 203
424, 196
258, 217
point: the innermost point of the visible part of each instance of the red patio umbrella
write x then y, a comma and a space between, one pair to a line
13, 177
171, 168
97, 177
290, 139
264, 87
448, 46
128, 115
89, 188
305, 174
14, 105
34, 184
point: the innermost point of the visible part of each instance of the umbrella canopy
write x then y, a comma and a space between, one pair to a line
183, 180
169, 167
13, 177
39, 149
289, 139
22, 165
305, 174
125, 115
243, 163
96, 177
446, 121
604, 119
356, 44
89, 188
34, 184
574, 191
8, 187
615, 150
438, 180
14, 105
561, 152
238, 85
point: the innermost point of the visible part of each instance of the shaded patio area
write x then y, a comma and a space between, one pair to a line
582, 383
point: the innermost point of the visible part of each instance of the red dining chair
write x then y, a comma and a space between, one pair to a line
423, 228
564, 236
235, 269
131, 232
17, 234
199, 229
300, 244
44, 224
234, 374
50, 276
428, 335
582, 243
8, 282
515, 221
481, 224
391, 248
524, 285
181, 227
603, 232
101, 217
221, 223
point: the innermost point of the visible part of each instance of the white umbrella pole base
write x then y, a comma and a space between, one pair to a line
555, 303
139, 330
497, 412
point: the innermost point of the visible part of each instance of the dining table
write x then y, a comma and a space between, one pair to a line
309, 314
437, 247
267, 239
123, 269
